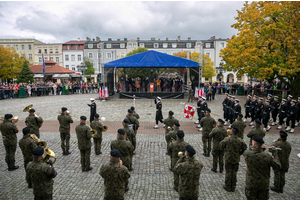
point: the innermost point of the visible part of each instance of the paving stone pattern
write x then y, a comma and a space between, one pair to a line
151, 178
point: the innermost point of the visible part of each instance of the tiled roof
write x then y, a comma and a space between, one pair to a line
75, 42
50, 68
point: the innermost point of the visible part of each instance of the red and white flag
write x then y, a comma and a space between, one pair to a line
100, 92
201, 92
196, 92
106, 93
189, 111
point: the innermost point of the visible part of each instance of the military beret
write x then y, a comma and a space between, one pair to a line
249, 96
176, 124
233, 97
276, 97
92, 99
283, 134
290, 96
121, 131
115, 153
126, 121
180, 134
190, 149
8, 116
258, 139
38, 151
26, 130
64, 109
283, 100
270, 95
97, 115
260, 98
132, 108
221, 120
203, 98
294, 101
158, 97
240, 115
237, 100
171, 113
208, 110
83, 117
235, 128
31, 110
130, 111
258, 122
255, 96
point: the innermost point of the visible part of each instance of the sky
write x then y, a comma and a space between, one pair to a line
59, 22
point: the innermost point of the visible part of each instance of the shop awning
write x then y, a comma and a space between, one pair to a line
38, 76
61, 76
75, 75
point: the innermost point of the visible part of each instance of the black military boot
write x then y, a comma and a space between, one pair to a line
225, 188
275, 189
212, 169
13, 168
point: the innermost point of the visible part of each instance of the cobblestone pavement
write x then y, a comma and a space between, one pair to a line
151, 178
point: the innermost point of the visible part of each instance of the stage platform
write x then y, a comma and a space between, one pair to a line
148, 95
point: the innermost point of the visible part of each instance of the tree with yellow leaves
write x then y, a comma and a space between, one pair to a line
267, 44
10, 62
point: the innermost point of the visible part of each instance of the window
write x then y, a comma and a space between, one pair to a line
206, 79
51, 51
198, 44
207, 45
57, 59
51, 58
22, 46
90, 55
56, 50
122, 55
108, 45
40, 51
155, 45
16, 47
129, 45
122, 45
134, 45
188, 45
165, 45
222, 44
66, 57
67, 66
8, 46
99, 55
79, 57
40, 59
30, 56
239, 78
29, 47
108, 55
45, 50
208, 54
46, 59
68, 47
72, 57
90, 46
174, 45
76, 47
73, 67
142, 45
23, 55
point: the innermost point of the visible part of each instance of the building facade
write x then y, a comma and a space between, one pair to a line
72, 53
51, 52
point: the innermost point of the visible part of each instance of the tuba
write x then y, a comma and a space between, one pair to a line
40, 143
14, 119
49, 154
105, 128
93, 130
27, 108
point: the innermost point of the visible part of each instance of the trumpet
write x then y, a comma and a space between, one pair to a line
41, 143
14, 119
27, 108
93, 130
49, 154
228, 132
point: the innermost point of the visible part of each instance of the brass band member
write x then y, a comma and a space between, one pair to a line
64, 128
98, 126
33, 122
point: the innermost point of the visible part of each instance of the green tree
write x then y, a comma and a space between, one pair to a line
25, 74
90, 69
267, 44
137, 51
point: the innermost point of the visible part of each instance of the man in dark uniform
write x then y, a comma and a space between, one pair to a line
240, 124
266, 115
228, 110
84, 135
93, 109
203, 108
237, 109
269, 97
257, 130
224, 103
231, 111
218, 134
172, 134
189, 170
258, 170
174, 148
298, 113
27, 145
9, 132
291, 117
282, 113
41, 175
289, 100
115, 176
253, 109
275, 109
158, 116
208, 123
33, 122
247, 108
129, 132
259, 108
234, 148
283, 155
198, 109
98, 126
64, 128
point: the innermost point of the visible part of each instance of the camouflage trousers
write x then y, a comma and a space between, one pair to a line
230, 177
10, 155
65, 141
97, 145
279, 179
218, 157
168, 139
176, 180
190, 98
133, 141
26, 161
85, 159
253, 194
206, 144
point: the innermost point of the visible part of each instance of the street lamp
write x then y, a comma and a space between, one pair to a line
82, 67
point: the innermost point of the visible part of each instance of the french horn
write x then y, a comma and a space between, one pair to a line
49, 154
40, 143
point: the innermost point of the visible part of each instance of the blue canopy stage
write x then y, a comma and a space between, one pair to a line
151, 59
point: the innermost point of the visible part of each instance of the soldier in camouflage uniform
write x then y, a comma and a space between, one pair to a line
133, 120
130, 134
172, 134
175, 147
41, 175
207, 123
115, 176
258, 170
84, 135
218, 134
134, 113
191, 94
9, 132
98, 126
240, 124
283, 155
257, 130
189, 170
27, 145
64, 128
33, 123
234, 147
169, 122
